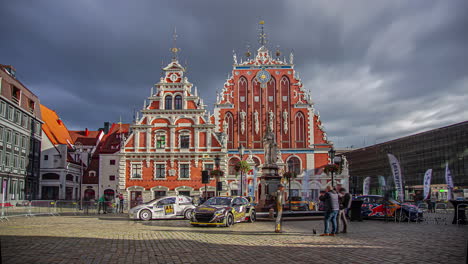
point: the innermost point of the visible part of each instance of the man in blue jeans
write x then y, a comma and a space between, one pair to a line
332, 207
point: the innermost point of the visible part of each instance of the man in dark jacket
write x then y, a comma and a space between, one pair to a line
345, 204
330, 198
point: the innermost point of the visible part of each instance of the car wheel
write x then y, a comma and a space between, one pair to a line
188, 214
145, 215
229, 220
401, 215
253, 216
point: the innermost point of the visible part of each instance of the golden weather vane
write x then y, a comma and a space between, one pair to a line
262, 35
174, 49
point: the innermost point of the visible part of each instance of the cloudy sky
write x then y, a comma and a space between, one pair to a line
377, 70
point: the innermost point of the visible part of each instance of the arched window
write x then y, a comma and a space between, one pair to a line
168, 102
178, 102
300, 130
51, 176
232, 166
257, 161
294, 165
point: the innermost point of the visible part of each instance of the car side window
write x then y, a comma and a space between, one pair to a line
244, 201
167, 201
237, 201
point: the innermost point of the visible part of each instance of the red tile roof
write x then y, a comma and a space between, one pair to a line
54, 128
111, 142
86, 137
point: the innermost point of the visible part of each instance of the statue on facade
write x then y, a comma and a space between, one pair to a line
285, 121
270, 147
257, 124
242, 114
272, 116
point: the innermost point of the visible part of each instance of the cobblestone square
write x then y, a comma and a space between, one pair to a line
114, 239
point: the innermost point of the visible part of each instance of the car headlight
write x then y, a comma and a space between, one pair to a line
219, 212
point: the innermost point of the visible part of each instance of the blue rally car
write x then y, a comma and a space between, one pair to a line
374, 206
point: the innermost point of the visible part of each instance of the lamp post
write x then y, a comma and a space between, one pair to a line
241, 153
79, 148
290, 170
332, 158
217, 161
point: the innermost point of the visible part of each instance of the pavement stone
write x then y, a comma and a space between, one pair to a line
115, 239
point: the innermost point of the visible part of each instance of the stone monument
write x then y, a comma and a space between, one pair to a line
270, 179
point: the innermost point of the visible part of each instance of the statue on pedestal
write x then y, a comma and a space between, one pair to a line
270, 147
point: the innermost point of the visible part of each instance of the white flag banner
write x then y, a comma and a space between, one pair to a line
448, 179
397, 177
382, 183
305, 183
427, 183
366, 186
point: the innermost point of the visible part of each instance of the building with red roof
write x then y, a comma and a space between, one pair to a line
61, 166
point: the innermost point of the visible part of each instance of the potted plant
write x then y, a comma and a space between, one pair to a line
217, 173
242, 166
331, 168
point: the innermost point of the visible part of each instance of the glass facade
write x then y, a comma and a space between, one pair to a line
416, 154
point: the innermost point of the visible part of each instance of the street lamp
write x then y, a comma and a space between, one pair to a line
241, 153
290, 170
79, 148
332, 158
217, 160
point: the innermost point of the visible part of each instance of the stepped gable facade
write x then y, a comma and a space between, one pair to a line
171, 142
266, 92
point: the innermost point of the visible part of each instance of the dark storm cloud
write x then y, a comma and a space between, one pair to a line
377, 69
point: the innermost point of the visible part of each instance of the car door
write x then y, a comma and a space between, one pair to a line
165, 208
365, 207
239, 209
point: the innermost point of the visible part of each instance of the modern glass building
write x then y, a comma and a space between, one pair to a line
416, 153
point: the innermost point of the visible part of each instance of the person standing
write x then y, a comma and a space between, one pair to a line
139, 200
121, 203
102, 204
345, 204
330, 199
279, 208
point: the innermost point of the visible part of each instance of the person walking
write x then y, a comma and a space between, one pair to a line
139, 200
330, 199
102, 204
279, 208
345, 204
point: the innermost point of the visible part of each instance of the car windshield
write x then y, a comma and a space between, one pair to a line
218, 201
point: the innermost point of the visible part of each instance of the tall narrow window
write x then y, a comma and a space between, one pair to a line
294, 165
229, 119
178, 102
160, 171
16, 94
300, 130
168, 102
232, 166
184, 171
160, 141
184, 141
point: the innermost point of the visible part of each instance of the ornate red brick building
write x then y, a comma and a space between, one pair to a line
266, 91
172, 142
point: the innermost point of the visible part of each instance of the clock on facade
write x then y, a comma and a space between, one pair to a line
263, 77
174, 77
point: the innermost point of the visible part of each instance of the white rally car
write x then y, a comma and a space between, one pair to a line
169, 207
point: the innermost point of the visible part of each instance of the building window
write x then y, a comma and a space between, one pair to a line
15, 94
160, 171
1, 133
184, 141
6, 161
92, 174
184, 171
2, 109
10, 113
300, 130
294, 165
232, 166
13, 190
16, 139
112, 178
21, 190
209, 167
168, 102
8, 136
16, 117
24, 120
32, 105
136, 171
21, 163
111, 162
178, 102
159, 194
160, 141
46, 157
15, 161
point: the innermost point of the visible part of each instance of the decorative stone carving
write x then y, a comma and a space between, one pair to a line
242, 114
272, 116
172, 172
256, 123
279, 159
270, 147
234, 57
285, 121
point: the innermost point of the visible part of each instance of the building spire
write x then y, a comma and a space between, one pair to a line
262, 35
174, 48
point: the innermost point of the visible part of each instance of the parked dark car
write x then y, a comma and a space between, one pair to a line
375, 206
223, 211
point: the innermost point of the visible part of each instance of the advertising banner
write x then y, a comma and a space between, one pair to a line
448, 179
366, 186
427, 184
397, 177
